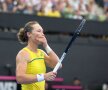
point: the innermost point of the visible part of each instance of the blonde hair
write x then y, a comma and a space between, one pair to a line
22, 34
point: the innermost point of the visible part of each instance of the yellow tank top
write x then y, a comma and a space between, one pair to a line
35, 66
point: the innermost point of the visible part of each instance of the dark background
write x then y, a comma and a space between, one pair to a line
87, 58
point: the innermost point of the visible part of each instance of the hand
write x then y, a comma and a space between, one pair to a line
42, 40
50, 76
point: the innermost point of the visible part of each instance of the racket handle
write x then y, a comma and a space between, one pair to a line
57, 66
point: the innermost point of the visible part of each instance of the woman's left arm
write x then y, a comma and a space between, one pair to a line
51, 57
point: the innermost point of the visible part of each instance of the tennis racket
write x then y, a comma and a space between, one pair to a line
75, 34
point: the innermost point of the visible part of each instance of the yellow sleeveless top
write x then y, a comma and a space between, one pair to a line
36, 65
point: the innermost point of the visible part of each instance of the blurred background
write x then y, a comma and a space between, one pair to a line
85, 66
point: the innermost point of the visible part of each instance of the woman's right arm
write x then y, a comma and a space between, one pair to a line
21, 64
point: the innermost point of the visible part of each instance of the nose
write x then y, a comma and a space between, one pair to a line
42, 33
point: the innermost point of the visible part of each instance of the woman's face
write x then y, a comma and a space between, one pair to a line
36, 33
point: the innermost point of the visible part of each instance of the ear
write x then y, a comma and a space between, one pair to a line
28, 34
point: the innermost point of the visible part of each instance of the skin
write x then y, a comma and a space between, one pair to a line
35, 37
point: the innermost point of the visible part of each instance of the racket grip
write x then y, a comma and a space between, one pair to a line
57, 67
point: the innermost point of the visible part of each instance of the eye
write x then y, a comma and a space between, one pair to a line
39, 30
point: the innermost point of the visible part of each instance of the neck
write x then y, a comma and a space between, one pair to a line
32, 46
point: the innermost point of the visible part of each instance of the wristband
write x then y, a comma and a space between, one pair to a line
40, 77
48, 49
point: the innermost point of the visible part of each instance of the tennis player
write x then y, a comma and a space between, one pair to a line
31, 61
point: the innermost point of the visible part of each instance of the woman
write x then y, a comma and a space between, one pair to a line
30, 61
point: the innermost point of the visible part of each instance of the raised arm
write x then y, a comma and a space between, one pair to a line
51, 57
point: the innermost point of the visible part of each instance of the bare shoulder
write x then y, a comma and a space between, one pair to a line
22, 55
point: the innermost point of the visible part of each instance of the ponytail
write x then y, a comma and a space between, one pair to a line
22, 36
